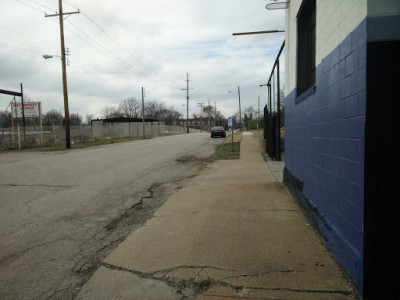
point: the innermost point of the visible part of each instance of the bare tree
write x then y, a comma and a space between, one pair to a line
155, 110
249, 117
208, 111
53, 117
88, 118
75, 119
5, 118
130, 108
108, 112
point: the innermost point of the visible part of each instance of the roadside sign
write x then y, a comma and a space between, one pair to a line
31, 110
230, 122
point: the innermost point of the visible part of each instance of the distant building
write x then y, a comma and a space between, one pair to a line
202, 123
126, 120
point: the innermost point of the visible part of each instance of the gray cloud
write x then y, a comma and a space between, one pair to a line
116, 47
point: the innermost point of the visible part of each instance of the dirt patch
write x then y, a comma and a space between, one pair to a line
191, 158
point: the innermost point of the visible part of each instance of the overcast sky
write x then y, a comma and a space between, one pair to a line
118, 46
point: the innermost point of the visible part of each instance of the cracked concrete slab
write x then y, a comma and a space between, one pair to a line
115, 284
232, 232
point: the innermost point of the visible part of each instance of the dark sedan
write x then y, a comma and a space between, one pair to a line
218, 131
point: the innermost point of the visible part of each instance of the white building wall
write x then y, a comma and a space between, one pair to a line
335, 20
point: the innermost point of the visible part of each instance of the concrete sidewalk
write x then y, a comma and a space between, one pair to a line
232, 233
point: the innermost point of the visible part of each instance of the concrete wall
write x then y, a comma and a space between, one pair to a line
136, 129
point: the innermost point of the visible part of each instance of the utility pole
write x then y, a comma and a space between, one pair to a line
23, 112
215, 114
201, 105
187, 101
240, 111
143, 113
64, 70
258, 115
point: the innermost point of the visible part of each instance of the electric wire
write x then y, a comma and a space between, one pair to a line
25, 39
42, 5
138, 59
101, 49
124, 48
19, 1
121, 46
97, 46
120, 62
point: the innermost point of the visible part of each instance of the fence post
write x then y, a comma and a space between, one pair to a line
19, 138
54, 133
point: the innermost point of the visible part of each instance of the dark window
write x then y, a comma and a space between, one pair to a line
306, 46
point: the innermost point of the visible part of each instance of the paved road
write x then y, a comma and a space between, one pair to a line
61, 213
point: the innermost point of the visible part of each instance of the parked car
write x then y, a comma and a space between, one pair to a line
218, 131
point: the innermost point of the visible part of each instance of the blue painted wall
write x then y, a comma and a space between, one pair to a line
324, 148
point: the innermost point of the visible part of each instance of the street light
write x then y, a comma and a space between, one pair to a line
65, 92
268, 85
48, 56
240, 109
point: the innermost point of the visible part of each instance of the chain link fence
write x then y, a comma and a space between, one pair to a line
17, 137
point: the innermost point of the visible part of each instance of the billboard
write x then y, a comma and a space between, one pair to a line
31, 110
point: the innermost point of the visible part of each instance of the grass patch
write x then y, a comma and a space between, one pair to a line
79, 145
225, 151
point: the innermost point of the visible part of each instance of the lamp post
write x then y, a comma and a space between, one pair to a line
267, 85
65, 92
240, 109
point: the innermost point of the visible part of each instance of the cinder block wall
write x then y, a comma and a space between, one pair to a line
324, 132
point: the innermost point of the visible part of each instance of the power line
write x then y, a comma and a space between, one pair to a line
19, 1
120, 62
123, 48
42, 5
130, 53
21, 40
71, 5
103, 50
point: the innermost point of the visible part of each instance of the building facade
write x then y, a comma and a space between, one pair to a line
341, 77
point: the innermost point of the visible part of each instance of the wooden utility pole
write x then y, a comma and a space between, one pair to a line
143, 127
240, 111
61, 15
215, 114
187, 101
23, 112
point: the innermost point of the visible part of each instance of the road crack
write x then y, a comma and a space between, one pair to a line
36, 185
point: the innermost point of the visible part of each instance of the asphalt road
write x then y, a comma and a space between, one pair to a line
61, 213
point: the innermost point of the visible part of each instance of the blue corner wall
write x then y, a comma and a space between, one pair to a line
324, 148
